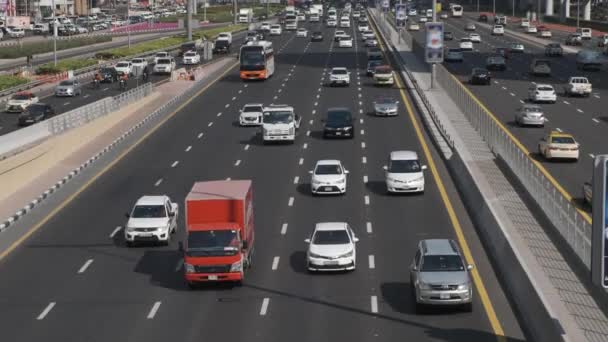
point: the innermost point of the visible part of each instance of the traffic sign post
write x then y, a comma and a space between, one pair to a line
599, 235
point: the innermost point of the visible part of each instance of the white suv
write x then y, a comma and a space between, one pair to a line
332, 247
153, 219
328, 177
251, 114
404, 172
339, 75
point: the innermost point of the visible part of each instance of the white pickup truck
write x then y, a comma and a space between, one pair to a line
225, 36
578, 86
279, 123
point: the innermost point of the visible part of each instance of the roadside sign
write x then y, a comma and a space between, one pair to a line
599, 236
385, 4
433, 52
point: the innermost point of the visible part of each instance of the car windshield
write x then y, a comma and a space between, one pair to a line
66, 83
539, 63
477, 71
213, 243
442, 263
545, 88
161, 54
404, 166
339, 116
386, 101
328, 170
465, 40
21, 97
383, 70
562, 140
122, 65
250, 109
34, 109
164, 61
190, 54
531, 109
331, 237
149, 211
339, 71
374, 64
138, 60
278, 117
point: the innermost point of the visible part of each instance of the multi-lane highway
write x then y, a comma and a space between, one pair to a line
9, 121
582, 117
75, 279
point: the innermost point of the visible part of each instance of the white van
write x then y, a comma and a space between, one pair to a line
585, 32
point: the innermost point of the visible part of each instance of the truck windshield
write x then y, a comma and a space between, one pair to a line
149, 211
213, 243
278, 117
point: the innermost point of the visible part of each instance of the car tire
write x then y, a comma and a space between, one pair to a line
129, 244
191, 285
420, 308
468, 307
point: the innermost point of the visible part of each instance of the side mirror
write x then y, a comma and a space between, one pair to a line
346, 172
424, 167
356, 239
180, 246
385, 168
413, 267
245, 244
307, 240
310, 171
127, 215
470, 267
172, 214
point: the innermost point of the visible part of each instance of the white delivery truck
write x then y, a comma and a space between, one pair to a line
245, 15
279, 123
314, 16
319, 8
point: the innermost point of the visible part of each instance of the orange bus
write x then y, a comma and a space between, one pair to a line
257, 60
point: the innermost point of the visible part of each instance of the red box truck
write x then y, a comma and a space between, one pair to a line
220, 231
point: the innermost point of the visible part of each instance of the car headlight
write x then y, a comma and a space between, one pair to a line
130, 229
236, 267
341, 181
314, 255
264, 131
292, 130
424, 286
347, 254
463, 286
347, 128
189, 268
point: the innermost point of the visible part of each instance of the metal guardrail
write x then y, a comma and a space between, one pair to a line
21, 139
560, 210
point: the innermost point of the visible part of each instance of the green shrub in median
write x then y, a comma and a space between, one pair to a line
32, 49
9, 81
65, 65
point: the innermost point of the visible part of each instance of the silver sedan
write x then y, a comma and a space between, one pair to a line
386, 106
68, 88
530, 115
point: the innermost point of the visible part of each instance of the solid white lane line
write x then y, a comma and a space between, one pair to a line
365, 179
305, 146
366, 200
264, 308
369, 227
179, 264
116, 230
46, 311
301, 161
237, 163
374, 300
364, 160
175, 163
275, 263
153, 311
566, 102
200, 135
578, 110
284, 229
85, 266
290, 203
362, 144
372, 261
296, 179
188, 148
246, 147
595, 120
210, 124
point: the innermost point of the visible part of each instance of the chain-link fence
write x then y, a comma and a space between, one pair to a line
559, 208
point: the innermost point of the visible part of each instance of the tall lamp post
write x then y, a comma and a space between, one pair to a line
578, 13
54, 35
128, 26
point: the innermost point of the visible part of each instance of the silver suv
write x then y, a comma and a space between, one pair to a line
439, 275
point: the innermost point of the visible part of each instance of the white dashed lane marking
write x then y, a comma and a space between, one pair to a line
275, 263
188, 148
200, 135
116, 230
46, 311
210, 124
595, 120
264, 307
175, 163
296, 179
237, 163
284, 229
578, 110
85, 266
371, 261
153, 311
374, 304
290, 202
368, 227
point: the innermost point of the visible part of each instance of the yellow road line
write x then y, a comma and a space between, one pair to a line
479, 284
524, 150
68, 200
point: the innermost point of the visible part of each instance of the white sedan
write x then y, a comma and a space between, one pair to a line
123, 68
443, 15
414, 27
531, 29
191, 57
542, 93
328, 177
545, 34
498, 30
332, 247
139, 63
466, 44
302, 32
423, 20
475, 38
346, 41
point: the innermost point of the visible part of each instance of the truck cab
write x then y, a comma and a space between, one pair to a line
279, 123
220, 234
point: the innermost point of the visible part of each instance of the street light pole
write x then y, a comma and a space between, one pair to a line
433, 64
493, 6
54, 35
578, 13
128, 26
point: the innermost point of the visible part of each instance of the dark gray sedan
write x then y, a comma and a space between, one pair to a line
386, 106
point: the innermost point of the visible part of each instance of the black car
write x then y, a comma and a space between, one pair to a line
339, 123
316, 36
371, 66
221, 46
480, 76
108, 75
191, 46
483, 18
496, 63
447, 35
34, 113
261, 34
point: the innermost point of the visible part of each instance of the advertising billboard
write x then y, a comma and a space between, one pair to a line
599, 236
20, 22
433, 52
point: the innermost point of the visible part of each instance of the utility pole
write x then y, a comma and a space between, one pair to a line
54, 35
205, 11
128, 27
234, 11
478, 6
578, 13
493, 6
189, 23
267, 9
195, 7
433, 64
